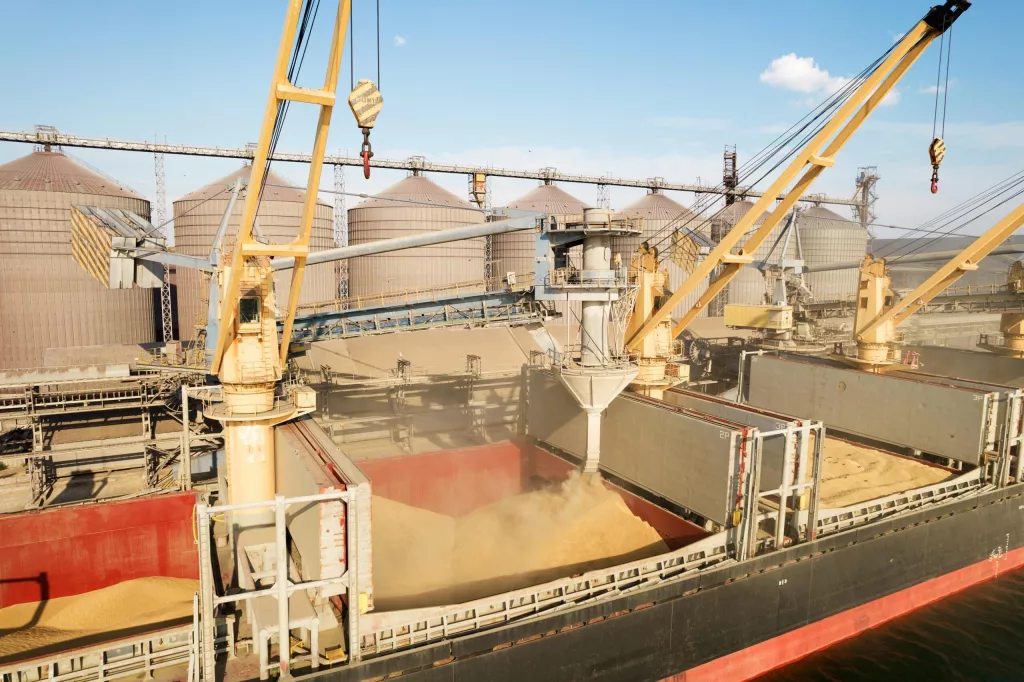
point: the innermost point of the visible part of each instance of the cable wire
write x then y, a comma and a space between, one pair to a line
795, 138
378, 44
938, 79
934, 225
185, 213
351, 47
956, 230
945, 89
309, 13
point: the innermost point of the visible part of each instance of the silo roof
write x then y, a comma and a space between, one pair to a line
415, 188
548, 199
54, 172
823, 213
277, 188
658, 207
730, 215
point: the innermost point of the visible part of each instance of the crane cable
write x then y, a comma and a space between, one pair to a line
309, 13
1002, 193
378, 44
937, 149
351, 47
960, 210
791, 138
794, 138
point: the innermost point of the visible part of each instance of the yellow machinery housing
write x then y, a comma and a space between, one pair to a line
771, 317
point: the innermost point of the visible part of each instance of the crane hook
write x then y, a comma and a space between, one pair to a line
936, 152
366, 153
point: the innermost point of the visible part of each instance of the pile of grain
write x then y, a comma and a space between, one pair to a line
116, 611
853, 473
425, 559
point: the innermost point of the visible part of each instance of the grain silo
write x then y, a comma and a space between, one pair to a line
749, 285
662, 216
826, 237
412, 206
46, 299
514, 251
198, 215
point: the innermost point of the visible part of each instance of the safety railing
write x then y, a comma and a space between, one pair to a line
47, 400
579, 279
386, 632
283, 588
834, 520
117, 659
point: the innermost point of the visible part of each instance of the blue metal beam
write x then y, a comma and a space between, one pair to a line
475, 309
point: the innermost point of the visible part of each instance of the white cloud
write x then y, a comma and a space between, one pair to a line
892, 99
399, 41
802, 74
932, 89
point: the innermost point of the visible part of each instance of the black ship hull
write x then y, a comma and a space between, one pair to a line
740, 620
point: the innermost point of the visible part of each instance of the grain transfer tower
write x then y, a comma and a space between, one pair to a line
660, 215
198, 215
514, 251
46, 299
412, 206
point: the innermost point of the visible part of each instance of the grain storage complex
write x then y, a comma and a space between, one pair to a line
46, 299
411, 206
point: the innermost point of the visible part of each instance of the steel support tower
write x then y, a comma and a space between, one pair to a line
159, 215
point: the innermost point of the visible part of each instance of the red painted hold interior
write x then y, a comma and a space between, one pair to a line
61, 552
776, 652
455, 482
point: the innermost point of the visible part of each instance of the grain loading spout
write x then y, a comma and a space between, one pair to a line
593, 369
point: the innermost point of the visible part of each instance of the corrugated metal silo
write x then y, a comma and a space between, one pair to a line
198, 215
514, 251
660, 216
829, 238
419, 268
749, 286
46, 299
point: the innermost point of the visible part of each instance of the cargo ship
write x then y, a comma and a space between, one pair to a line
431, 485
737, 585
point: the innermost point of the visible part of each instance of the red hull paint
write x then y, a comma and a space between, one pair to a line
70, 550
778, 651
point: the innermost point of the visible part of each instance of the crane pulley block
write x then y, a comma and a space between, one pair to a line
366, 101
936, 152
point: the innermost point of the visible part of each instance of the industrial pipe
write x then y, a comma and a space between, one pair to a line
527, 222
917, 258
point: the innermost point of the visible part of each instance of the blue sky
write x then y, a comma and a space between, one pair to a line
635, 89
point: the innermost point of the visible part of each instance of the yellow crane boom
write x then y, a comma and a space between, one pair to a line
281, 90
878, 314
817, 155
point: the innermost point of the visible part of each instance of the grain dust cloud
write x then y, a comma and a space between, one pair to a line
421, 558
